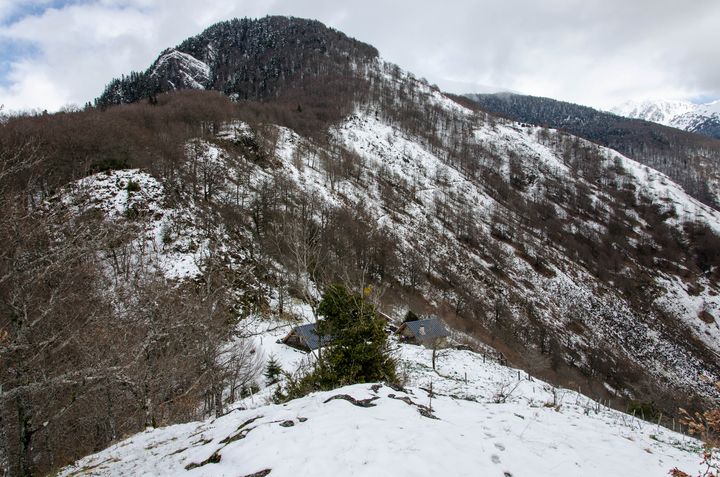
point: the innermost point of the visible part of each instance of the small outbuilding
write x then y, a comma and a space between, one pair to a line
426, 332
304, 338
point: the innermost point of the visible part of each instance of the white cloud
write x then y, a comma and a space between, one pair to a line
34, 90
589, 51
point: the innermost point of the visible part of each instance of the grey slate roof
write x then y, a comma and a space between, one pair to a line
307, 334
428, 329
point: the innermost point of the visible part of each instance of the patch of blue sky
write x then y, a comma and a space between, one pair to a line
12, 51
704, 98
31, 8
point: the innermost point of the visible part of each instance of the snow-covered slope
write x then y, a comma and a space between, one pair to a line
464, 224
164, 239
463, 238
704, 117
406, 186
471, 417
701, 118
181, 70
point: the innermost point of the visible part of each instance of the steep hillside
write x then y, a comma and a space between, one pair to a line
170, 226
690, 160
698, 118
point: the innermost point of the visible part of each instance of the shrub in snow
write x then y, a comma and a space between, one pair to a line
706, 426
133, 186
642, 409
132, 212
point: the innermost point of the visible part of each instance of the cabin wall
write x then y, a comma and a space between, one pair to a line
296, 342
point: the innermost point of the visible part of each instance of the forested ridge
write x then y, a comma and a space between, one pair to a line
691, 160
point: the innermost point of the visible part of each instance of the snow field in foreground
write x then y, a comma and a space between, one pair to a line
460, 431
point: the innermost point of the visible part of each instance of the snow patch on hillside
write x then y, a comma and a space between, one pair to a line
522, 141
116, 192
662, 190
699, 308
135, 199
386, 148
234, 130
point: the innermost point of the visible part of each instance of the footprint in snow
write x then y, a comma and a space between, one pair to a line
495, 459
500, 446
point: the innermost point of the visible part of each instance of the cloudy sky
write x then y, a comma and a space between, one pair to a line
597, 52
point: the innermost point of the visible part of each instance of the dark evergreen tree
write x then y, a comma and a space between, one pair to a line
273, 371
359, 352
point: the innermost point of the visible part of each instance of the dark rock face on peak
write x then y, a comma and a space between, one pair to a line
177, 70
248, 59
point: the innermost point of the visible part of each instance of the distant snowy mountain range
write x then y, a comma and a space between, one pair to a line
698, 118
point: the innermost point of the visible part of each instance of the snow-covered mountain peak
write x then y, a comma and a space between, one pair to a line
657, 111
699, 118
712, 107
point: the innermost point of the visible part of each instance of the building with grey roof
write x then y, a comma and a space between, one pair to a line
426, 332
304, 337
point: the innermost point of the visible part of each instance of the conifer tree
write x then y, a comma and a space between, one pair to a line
359, 351
272, 371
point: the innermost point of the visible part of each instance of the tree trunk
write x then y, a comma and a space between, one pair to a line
4, 447
147, 407
25, 437
111, 417
217, 393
